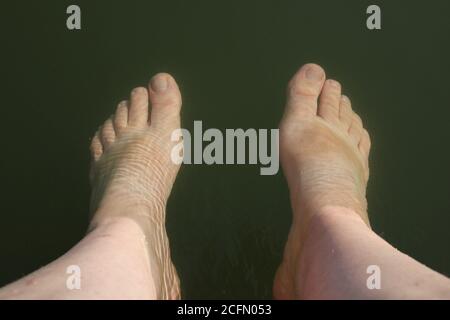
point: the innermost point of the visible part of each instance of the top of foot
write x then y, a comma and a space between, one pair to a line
131, 151
324, 147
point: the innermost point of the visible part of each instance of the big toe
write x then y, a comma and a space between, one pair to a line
165, 98
304, 90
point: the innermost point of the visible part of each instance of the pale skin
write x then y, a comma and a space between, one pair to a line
324, 152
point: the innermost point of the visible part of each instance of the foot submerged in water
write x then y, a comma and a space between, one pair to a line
132, 173
324, 152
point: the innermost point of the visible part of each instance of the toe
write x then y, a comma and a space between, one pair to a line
364, 148
355, 130
345, 112
107, 134
96, 147
329, 101
138, 108
364, 143
121, 117
165, 98
303, 91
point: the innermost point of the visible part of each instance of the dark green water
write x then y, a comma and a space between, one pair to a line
232, 59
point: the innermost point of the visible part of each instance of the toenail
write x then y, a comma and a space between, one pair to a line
137, 90
314, 73
334, 83
159, 83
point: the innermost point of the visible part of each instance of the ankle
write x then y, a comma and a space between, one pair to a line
321, 229
327, 215
322, 220
145, 218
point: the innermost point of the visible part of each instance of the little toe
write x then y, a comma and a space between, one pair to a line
96, 147
365, 143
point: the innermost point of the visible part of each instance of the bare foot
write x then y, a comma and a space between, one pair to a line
324, 152
132, 173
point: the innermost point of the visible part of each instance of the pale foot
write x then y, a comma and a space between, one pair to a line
324, 152
132, 173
